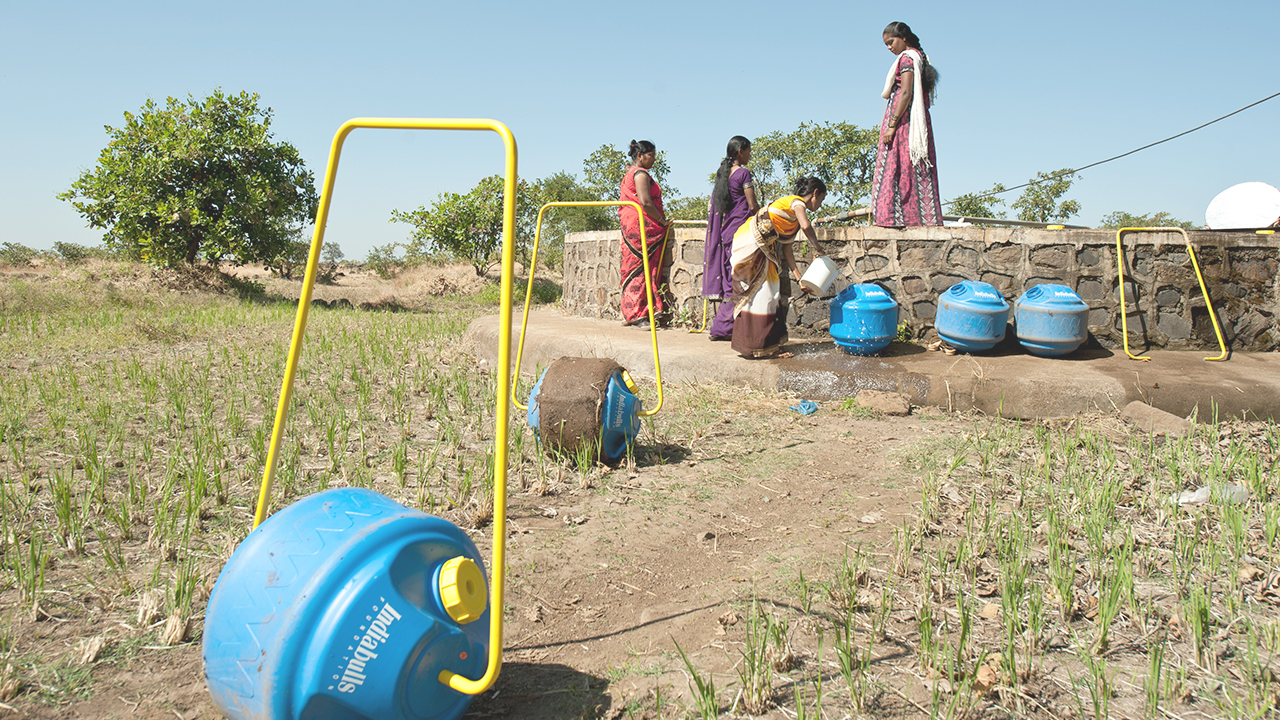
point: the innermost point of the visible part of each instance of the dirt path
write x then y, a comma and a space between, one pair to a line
604, 582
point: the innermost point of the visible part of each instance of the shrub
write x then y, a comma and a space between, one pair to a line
16, 254
383, 261
75, 253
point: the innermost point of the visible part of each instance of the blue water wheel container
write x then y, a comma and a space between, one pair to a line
594, 387
864, 319
346, 605
972, 316
1051, 320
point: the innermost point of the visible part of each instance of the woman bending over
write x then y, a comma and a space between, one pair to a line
759, 249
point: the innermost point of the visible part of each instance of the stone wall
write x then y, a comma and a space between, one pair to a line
916, 264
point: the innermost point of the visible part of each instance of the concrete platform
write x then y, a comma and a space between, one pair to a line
1006, 381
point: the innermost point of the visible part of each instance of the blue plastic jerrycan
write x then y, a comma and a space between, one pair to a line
1051, 320
619, 414
972, 316
346, 605
864, 319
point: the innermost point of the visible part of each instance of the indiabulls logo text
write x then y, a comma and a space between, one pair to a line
376, 633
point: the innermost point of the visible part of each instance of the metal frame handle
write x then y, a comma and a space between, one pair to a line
648, 290
498, 568
1124, 311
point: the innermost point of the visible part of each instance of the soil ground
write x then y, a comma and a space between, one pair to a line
732, 499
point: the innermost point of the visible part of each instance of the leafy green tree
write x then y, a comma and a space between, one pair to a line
330, 256
688, 208
197, 177
841, 154
17, 254
383, 260
564, 187
466, 226
557, 222
974, 205
603, 169
291, 258
1039, 202
1119, 219
75, 253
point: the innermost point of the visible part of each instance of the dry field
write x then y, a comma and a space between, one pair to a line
745, 561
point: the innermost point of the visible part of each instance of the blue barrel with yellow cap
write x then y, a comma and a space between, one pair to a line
347, 605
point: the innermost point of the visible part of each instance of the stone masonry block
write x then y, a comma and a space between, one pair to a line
1091, 290
1004, 255
961, 256
870, 263
1050, 257
923, 255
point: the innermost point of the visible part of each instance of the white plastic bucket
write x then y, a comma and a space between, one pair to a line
821, 273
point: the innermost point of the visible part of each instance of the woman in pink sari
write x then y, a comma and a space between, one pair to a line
639, 187
904, 189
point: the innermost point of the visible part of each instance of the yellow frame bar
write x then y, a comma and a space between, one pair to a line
1124, 313
648, 291
498, 568
704, 318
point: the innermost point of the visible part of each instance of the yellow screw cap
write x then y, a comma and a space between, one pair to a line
631, 384
462, 590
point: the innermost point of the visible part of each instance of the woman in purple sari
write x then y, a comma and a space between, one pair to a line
904, 189
732, 202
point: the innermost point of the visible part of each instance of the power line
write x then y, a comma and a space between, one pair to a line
1059, 174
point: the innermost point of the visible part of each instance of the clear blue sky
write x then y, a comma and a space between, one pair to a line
1024, 87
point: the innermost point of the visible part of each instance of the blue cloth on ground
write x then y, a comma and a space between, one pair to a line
806, 407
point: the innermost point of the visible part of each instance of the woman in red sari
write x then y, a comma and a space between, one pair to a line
639, 187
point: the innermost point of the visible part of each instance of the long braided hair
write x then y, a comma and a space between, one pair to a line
930, 77
720, 195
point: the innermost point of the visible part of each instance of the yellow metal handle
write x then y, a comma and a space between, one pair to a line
648, 290
704, 318
498, 568
1124, 315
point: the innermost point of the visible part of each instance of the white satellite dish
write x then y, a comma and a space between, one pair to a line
1245, 206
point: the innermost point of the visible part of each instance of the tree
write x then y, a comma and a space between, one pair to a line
603, 169
382, 259
688, 208
841, 154
975, 205
558, 222
1120, 219
466, 226
1039, 202
564, 187
196, 178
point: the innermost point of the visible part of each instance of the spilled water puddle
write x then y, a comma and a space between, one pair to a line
822, 371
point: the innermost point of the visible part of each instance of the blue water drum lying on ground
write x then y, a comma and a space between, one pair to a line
589, 401
972, 316
346, 605
864, 319
1051, 320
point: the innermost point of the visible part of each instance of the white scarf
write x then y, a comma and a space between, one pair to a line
919, 140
